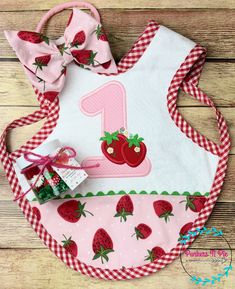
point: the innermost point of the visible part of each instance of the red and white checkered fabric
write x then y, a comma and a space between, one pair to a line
186, 78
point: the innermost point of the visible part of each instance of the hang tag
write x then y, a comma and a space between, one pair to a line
71, 177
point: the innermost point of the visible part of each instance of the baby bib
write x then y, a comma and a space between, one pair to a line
158, 178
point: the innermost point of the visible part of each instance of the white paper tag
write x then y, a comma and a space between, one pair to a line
71, 177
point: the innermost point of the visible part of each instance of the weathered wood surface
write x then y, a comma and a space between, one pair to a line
212, 28
19, 5
39, 269
15, 231
217, 80
202, 118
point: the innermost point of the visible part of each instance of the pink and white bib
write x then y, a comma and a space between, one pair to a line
157, 178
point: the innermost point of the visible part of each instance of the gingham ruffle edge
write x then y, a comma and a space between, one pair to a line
193, 62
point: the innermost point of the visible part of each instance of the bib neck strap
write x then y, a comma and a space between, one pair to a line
64, 6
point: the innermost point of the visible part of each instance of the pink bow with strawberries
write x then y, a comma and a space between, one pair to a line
45, 60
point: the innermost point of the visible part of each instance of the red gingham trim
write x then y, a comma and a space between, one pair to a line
193, 61
139, 47
52, 110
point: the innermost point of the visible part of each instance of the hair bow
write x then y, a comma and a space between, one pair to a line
45, 60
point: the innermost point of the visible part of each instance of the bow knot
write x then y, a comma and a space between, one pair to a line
45, 60
58, 160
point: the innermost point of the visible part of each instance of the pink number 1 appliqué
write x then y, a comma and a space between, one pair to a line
109, 100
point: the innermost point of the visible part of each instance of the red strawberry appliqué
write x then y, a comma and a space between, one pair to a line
78, 39
155, 254
195, 203
102, 245
41, 61
134, 151
124, 208
70, 246
163, 209
86, 57
50, 95
142, 231
112, 146
184, 230
100, 33
72, 211
32, 37
37, 213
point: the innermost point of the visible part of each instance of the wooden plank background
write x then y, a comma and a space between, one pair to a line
24, 261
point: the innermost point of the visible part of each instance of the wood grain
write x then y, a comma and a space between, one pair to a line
227, 194
202, 118
45, 5
213, 32
39, 269
217, 80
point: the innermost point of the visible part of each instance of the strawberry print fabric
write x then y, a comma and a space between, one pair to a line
120, 231
45, 60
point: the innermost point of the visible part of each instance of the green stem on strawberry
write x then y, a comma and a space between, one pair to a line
166, 216
150, 256
102, 253
110, 137
137, 234
66, 241
81, 211
189, 203
135, 140
123, 215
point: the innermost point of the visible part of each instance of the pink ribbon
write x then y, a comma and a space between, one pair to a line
44, 161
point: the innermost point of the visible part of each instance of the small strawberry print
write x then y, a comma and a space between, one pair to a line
184, 230
100, 33
86, 57
106, 64
124, 208
163, 209
112, 145
155, 254
72, 211
37, 213
195, 203
32, 37
41, 61
70, 246
102, 245
142, 231
134, 151
78, 39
